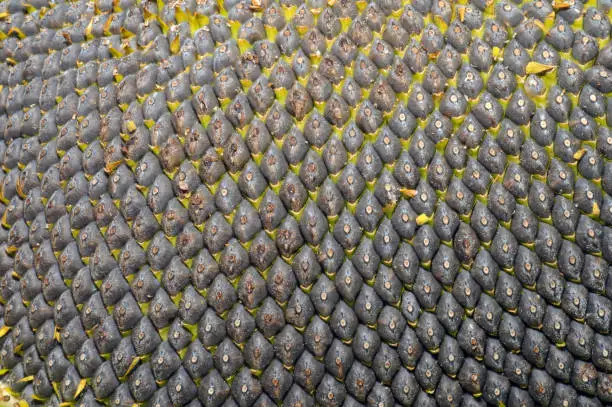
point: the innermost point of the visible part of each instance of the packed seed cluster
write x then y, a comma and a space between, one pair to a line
333, 203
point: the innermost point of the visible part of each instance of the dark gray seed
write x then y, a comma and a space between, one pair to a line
227, 358
592, 101
335, 156
338, 359
406, 263
502, 82
359, 382
466, 290
449, 312
585, 47
458, 35
510, 138
386, 240
107, 335
459, 197
423, 399
601, 347
598, 313
301, 63
566, 146
439, 173
324, 296
605, 148
330, 391
448, 391
588, 234
164, 361
564, 394
258, 353
276, 380
517, 369
531, 308
45, 339
308, 371
427, 289
535, 347
426, 243
197, 360
590, 167
411, 19
122, 396
471, 132
445, 265
448, 61
365, 345
484, 222
122, 357
520, 108
580, 340
343, 321
415, 57
455, 153
535, 86
425, 198
410, 348
446, 221
451, 356
470, 82
547, 243
570, 260
368, 118
305, 268
400, 77
420, 102
317, 337
570, 76
391, 324
92, 313
368, 305
296, 396
63, 311
564, 216
541, 386
495, 34
540, 199
386, 364
582, 125
495, 355
428, 372
527, 266
488, 314
30, 285
496, 388
53, 287
104, 381
388, 146
434, 80
145, 337
421, 149
546, 55
142, 383
453, 104
481, 55
289, 345
381, 54
213, 390
559, 363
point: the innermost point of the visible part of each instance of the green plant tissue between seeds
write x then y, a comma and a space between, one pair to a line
264, 203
